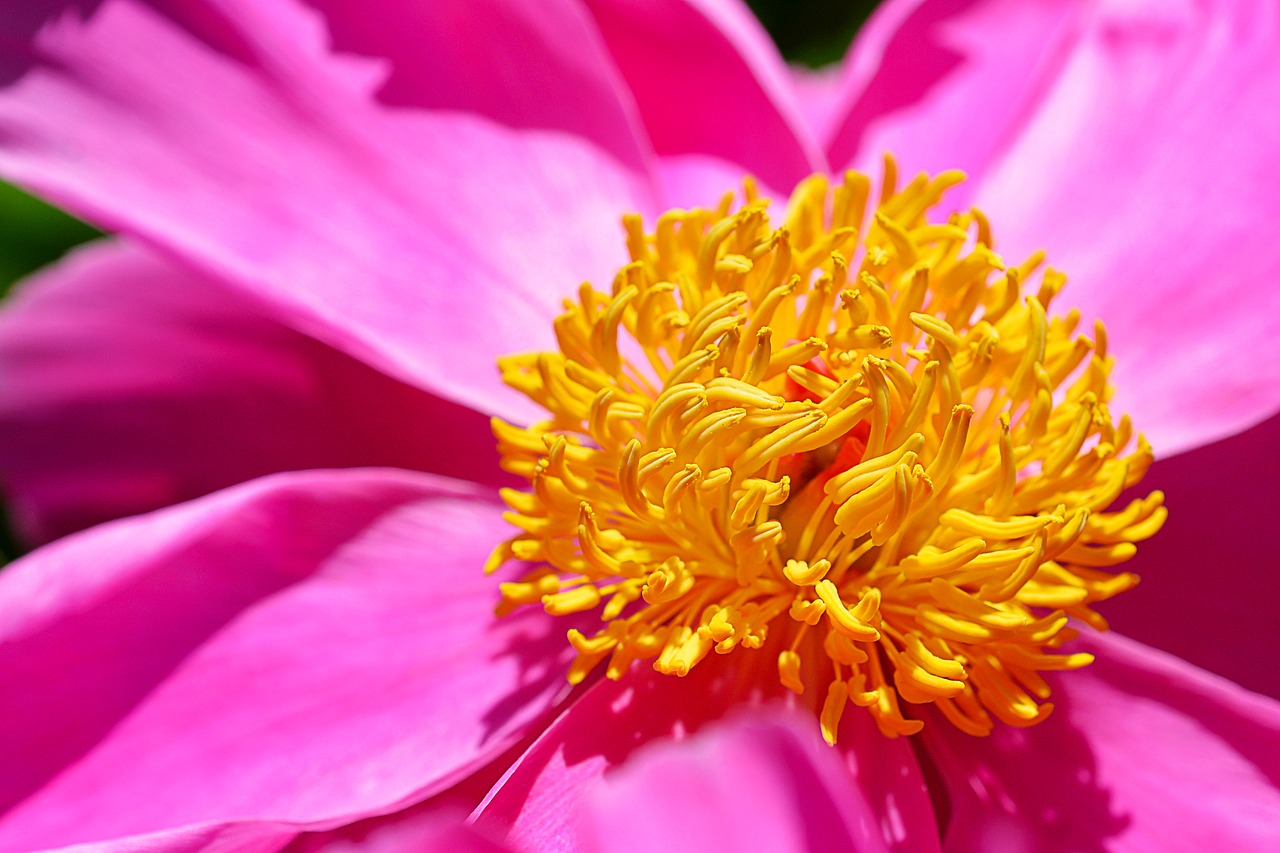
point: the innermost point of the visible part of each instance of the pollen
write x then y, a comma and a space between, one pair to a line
855, 440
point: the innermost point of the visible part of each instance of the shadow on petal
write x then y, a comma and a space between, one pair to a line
536, 803
540, 652
1023, 789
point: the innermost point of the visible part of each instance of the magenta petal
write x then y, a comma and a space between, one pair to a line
1142, 753
709, 82
762, 781
698, 180
1101, 133
1214, 563
524, 65
132, 383
415, 830
944, 84
891, 779
818, 93
419, 830
309, 648
237, 836
425, 242
1148, 172
539, 802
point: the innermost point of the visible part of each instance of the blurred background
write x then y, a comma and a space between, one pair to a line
813, 33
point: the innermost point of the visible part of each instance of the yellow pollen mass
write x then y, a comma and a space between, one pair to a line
858, 442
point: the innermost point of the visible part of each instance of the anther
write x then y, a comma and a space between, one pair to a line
856, 438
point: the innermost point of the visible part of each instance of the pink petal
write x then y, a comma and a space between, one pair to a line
699, 180
539, 802
818, 93
523, 65
1143, 753
1134, 142
417, 830
891, 779
536, 803
132, 383
1214, 563
309, 648
944, 85
1148, 172
762, 781
225, 837
423, 242
709, 82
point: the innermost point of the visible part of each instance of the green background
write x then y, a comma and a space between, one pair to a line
812, 32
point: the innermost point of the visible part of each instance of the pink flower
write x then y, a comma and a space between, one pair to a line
331, 222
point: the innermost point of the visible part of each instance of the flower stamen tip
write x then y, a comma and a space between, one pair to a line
858, 438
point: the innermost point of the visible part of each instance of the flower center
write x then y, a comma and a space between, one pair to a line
859, 438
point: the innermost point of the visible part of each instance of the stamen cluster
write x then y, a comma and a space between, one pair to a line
857, 439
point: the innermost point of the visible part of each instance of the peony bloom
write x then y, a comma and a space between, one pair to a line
331, 225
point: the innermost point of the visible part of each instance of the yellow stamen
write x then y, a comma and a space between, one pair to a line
858, 439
